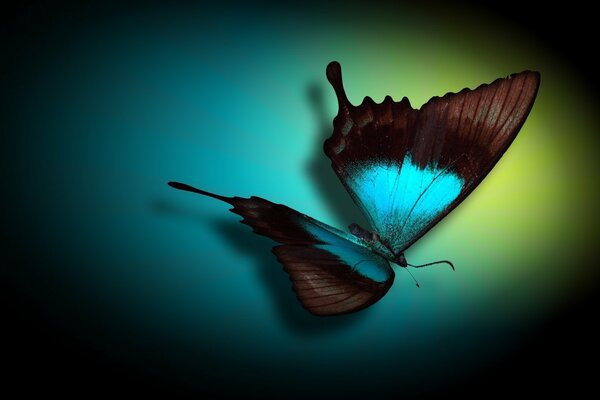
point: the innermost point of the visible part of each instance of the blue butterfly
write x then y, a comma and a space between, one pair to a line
406, 169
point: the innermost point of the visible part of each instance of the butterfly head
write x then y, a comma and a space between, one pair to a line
401, 260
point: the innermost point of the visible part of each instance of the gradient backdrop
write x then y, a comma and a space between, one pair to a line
138, 284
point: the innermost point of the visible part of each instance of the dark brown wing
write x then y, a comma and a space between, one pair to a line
332, 272
327, 285
406, 168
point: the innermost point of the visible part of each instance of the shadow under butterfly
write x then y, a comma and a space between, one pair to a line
406, 169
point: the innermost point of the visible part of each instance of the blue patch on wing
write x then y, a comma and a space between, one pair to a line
401, 200
349, 249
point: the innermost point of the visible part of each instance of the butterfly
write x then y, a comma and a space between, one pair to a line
406, 169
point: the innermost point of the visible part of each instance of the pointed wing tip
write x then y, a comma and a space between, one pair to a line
188, 188
526, 72
334, 76
333, 67
534, 76
178, 185
530, 80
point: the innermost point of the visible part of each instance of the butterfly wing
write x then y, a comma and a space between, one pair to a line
406, 168
332, 272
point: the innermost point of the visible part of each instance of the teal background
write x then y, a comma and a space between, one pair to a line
105, 105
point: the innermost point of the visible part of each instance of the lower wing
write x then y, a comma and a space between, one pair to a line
332, 272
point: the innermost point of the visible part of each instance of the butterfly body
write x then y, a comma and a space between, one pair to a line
405, 169
373, 241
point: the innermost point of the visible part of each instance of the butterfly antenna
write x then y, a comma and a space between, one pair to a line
432, 263
412, 276
188, 188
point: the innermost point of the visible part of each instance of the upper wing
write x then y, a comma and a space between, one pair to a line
406, 168
332, 272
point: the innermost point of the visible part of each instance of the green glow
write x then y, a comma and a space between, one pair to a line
229, 101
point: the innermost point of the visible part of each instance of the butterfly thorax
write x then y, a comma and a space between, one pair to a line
377, 244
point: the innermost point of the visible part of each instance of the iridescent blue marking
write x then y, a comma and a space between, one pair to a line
401, 200
350, 249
